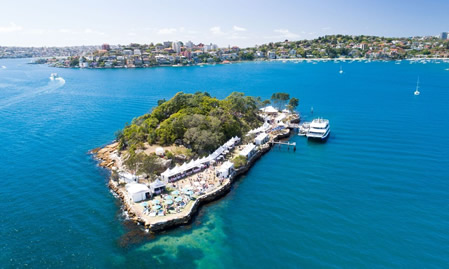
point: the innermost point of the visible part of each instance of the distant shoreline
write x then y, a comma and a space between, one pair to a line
264, 60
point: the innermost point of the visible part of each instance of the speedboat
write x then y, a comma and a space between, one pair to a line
54, 76
319, 129
417, 88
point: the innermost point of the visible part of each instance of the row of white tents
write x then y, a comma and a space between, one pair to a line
261, 129
178, 172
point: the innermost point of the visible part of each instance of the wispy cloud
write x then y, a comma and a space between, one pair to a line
238, 29
90, 31
38, 31
216, 30
11, 28
285, 33
167, 31
87, 31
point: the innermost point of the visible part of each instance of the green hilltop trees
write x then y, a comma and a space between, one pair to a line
198, 121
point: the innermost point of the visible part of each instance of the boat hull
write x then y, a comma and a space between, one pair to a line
319, 138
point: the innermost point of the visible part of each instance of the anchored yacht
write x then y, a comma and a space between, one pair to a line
319, 129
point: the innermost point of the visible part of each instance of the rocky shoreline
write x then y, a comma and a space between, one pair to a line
108, 158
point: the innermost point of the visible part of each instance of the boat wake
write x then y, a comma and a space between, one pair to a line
58, 79
49, 88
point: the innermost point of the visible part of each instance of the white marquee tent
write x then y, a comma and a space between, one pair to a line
137, 191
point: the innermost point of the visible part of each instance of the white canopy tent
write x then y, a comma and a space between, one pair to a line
262, 128
137, 191
194, 165
157, 186
269, 110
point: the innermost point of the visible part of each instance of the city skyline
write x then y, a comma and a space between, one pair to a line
231, 23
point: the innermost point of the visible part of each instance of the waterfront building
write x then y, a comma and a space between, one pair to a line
444, 35
261, 139
292, 53
225, 170
248, 151
260, 54
271, 55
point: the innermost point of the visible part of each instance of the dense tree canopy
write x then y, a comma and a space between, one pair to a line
198, 121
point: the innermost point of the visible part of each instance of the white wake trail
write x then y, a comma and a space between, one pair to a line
49, 88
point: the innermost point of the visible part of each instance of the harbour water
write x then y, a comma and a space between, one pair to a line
375, 195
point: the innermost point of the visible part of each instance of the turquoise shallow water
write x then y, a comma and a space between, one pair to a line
375, 195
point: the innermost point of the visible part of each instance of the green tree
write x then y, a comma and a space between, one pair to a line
239, 161
279, 99
293, 103
74, 62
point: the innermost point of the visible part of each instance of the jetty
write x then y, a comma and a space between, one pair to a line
287, 143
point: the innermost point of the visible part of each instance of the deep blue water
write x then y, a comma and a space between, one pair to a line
375, 195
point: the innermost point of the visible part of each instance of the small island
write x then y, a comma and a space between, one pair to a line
189, 150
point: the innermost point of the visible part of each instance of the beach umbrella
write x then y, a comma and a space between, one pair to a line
189, 193
155, 202
157, 206
203, 182
178, 199
196, 183
168, 197
169, 202
144, 203
175, 192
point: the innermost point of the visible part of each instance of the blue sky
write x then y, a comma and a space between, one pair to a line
231, 22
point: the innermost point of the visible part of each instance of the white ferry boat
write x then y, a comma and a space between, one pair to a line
319, 129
